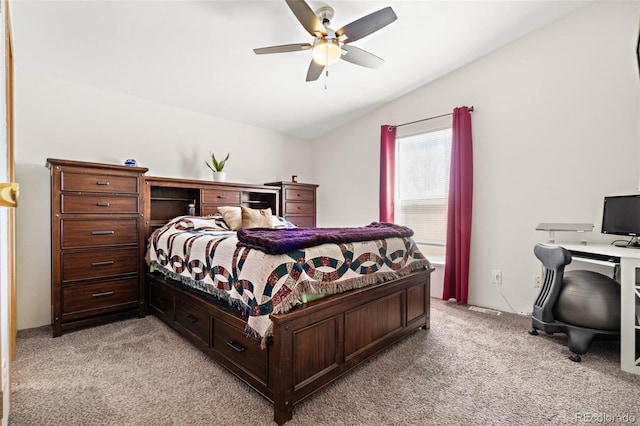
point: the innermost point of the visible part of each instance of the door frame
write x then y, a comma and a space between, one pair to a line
7, 217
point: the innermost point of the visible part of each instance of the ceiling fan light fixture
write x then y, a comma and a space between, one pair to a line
330, 46
326, 52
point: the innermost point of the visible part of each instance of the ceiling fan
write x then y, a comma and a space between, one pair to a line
330, 46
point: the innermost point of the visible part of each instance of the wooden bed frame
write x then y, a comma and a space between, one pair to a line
312, 345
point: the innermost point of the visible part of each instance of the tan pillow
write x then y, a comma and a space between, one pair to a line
253, 218
232, 216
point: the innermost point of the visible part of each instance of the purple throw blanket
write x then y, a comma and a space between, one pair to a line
278, 241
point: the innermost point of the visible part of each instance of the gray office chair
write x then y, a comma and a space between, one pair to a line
581, 304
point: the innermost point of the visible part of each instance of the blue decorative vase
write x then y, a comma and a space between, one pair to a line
130, 162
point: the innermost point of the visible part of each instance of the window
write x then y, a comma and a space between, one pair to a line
422, 188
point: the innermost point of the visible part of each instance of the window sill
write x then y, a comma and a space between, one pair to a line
436, 261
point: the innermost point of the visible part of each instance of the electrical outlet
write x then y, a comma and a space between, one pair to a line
537, 281
496, 276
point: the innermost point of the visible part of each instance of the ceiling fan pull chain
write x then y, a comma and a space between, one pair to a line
326, 77
326, 70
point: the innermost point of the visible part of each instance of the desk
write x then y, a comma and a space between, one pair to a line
629, 259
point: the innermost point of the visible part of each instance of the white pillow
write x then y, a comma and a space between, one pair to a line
215, 222
281, 223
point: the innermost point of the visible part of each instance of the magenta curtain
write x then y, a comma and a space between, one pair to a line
456, 271
387, 172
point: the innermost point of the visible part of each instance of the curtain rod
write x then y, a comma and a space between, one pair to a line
424, 119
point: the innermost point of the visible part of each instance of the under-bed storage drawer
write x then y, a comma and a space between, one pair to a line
161, 299
215, 328
242, 350
194, 319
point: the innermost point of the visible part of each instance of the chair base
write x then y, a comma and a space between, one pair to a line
579, 338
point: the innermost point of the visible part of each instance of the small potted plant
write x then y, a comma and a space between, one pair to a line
216, 167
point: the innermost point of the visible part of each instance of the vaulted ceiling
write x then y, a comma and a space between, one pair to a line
198, 55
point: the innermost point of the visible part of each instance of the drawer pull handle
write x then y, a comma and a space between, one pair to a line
223, 197
106, 293
103, 232
191, 318
236, 347
103, 204
108, 262
102, 183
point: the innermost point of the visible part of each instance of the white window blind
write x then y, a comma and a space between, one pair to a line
422, 186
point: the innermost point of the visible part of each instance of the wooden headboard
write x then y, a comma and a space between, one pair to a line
166, 198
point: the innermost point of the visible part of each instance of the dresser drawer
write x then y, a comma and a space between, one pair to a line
97, 264
302, 221
240, 349
298, 208
108, 295
291, 194
81, 203
193, 318
101, 232
96, 182
209, 209
221, 197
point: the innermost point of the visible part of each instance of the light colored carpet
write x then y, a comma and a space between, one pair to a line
469, 368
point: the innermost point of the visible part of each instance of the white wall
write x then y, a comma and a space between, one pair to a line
555, 129
60, 119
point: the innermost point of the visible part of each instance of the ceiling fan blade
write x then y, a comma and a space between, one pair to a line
315, 70
283, 48
361, 57
367, 24
307, 17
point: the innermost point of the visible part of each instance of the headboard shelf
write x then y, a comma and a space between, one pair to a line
166, 198
171, 199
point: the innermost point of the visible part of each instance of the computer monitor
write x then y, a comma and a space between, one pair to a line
621, 216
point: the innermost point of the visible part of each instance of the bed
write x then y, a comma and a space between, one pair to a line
259, 314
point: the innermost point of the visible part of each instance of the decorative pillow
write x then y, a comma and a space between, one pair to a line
233, 216
253, 218
280, 222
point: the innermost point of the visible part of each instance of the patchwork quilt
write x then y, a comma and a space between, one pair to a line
203, 255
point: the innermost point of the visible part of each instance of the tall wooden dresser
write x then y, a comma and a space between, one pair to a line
297, 202
97, 243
